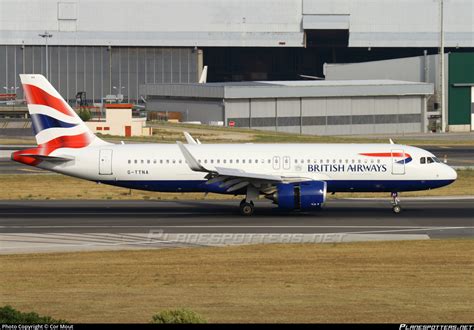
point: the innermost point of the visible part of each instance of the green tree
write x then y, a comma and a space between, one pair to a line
85, 114
177, 316
9, 315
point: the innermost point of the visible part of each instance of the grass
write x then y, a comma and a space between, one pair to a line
32, 186
409, 282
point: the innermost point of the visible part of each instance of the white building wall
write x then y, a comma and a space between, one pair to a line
258, 23
333, 116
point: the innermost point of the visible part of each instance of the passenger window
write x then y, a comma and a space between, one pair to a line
236, 161
161, 161
129, 161
230, 161
243, 161
167, 161
135, 161
250, 161
154, 161
180, 161
422, 160
148, 161
218, 161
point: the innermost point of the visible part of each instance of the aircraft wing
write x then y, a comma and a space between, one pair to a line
234, 179
190, 139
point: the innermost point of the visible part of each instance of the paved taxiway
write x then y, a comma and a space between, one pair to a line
47, 226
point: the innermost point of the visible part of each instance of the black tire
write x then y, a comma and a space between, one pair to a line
247, 209
397, 209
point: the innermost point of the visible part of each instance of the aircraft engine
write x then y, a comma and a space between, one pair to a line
307, 195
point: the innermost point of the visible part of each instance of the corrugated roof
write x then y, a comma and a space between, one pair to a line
288, 89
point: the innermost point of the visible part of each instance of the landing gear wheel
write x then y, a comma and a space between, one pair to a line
396, 203
397, 209
246, 209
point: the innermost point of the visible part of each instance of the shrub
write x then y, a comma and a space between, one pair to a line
85, 114
178, 316
9, 315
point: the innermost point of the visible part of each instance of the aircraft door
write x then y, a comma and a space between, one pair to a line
276, 163
398, 161
286, 163
105, 162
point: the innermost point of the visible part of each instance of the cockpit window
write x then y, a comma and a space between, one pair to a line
430, 160
422, 160
436, 160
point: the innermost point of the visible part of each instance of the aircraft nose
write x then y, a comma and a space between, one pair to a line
451, 173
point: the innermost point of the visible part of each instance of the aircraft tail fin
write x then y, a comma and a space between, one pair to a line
55, 123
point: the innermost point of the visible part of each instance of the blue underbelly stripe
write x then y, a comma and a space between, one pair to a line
332, 186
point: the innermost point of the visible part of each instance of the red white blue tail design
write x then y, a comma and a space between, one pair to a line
56, 125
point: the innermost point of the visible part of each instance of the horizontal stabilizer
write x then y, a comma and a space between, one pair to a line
54, 159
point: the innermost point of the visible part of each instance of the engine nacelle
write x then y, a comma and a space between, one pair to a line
305, 195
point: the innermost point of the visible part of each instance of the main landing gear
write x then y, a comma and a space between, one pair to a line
246, 208
246, 205
396, 208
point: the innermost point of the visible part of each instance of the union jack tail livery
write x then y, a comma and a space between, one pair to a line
55, 124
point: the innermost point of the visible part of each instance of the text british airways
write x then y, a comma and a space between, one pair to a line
359, 168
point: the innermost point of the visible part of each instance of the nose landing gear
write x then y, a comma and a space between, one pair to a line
396, 207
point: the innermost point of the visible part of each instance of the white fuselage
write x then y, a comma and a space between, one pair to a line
345, 167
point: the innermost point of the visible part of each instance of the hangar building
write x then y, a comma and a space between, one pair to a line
459, 80
96, 45
308, 107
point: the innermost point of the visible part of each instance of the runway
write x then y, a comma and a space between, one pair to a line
43, 226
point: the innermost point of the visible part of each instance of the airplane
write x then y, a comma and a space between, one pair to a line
293, 176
